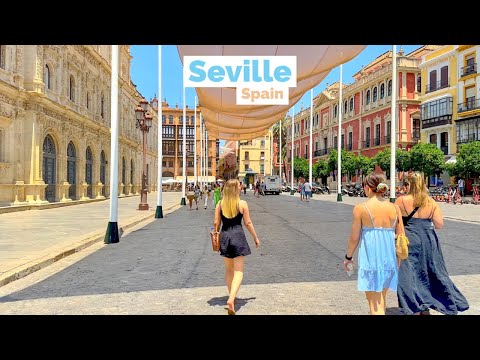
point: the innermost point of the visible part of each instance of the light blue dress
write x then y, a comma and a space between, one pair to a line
377, 259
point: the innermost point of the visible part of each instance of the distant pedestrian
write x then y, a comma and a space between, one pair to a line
439, 183
206, 193
233, 243
308, 190
302, 191
217, 196
423, 280
191, 196
461, 186
375, 223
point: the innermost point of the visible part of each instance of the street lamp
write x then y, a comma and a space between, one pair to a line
144, 123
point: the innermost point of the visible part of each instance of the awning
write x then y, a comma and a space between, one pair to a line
228, 121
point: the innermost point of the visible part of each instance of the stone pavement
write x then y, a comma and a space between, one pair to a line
33, 239
168, 267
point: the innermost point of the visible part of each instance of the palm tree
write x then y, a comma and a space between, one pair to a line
276, 136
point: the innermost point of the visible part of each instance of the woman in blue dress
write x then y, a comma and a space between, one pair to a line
423, 281
375, 223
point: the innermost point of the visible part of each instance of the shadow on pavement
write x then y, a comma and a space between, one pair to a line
300, 242
222, 301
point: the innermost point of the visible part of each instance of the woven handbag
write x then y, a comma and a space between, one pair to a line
401, 246
215, 235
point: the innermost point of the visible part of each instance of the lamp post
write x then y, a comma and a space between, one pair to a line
144, 123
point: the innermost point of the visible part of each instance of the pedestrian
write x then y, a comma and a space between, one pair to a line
461, 186
190, 196
197, 193
375, 223
423, 281
233, 243
439, 182
217, 195
308, 190
302, 191
206, 193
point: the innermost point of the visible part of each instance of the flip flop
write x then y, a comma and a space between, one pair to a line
231, 312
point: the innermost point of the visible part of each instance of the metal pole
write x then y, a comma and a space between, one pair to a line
270, 134
394, 126
143, 194
158, 210
201, 152
265, 148
280, 152
112, 235
311, 139
292, 192
206, 156
184, 149
195, 144
339, 138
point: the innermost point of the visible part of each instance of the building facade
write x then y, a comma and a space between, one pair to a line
254, 159
172, 143
439, 98
366, 108
230, 168
55, 124
467, 124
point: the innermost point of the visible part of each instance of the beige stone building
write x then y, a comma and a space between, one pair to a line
254, 159
55, 124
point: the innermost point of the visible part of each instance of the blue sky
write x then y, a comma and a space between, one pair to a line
144, 71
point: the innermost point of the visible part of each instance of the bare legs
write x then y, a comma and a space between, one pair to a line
377, 301
233, 278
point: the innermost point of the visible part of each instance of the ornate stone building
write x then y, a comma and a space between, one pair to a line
55, 124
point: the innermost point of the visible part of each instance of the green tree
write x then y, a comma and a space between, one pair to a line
427, 158
382, 159
365, 164
320, 170
468, 159
349, 163
300, 168
402, 159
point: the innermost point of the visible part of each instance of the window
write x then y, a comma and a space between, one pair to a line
170, 119
3, 51
47, 81
186, 120
335, 142
419, 84
437, 108
377, 134
335, 111
168, 147
262, 155
102, 106
382, 91
164, 119
444, 76
72, 88
262, 168
316, 119
171, 163
247, 155
88, 100
350, 140
375, 94
342, 141
190, 132
168, 131
325, 142
367, 101
192, 120
416, 130
351, 104
180, 119
345, 107
316, 145
433, 81
164, 163
433, 139
246, 167
389, 88
190, 149
262, 143
389, 132
306, 151
367, 137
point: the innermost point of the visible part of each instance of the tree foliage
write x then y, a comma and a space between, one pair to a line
300, 168
468, 159
427, 158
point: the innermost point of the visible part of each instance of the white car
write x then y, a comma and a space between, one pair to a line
272, 184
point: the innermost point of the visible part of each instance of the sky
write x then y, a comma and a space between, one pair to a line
144, 72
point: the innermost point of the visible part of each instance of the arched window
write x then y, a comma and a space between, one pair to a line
375, 94
345, 107
3, 51
88, 100
170, 119
102, 106
419, 84
368, 97
389, 88
382, 91
132, 171
351, 104
164, 119
335, 111
72, 88
180, 118
47, 79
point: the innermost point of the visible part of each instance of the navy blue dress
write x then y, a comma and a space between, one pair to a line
423, 281
233, 242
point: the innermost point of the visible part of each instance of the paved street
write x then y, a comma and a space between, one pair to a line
168, 267
29, 236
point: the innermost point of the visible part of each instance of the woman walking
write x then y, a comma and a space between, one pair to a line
217, 195
233, 243
423, 281
375, 222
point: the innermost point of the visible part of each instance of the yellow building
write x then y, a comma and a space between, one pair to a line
254, 158
439, 75
468, 95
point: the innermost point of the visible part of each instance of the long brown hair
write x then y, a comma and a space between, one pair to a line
418, 189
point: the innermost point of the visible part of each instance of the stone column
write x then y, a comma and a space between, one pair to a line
403, 122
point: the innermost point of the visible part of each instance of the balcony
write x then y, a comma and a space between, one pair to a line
366, 143
438, 121
469, 69
468, 138
376, 141
387, 139
470, 104
322, 152
437, 86
168, 152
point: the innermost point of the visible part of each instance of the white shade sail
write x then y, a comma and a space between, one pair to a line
227, 120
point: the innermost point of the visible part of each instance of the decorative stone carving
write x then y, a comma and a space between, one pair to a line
19, 59
39, 64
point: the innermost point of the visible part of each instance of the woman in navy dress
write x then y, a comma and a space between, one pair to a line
233, 244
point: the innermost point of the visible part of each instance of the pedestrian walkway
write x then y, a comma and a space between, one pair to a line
32, 239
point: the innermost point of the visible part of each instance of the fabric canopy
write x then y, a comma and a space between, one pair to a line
226, 120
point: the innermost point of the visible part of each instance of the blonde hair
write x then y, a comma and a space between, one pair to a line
231, 198
418, 189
